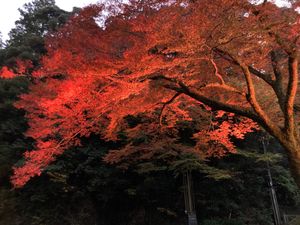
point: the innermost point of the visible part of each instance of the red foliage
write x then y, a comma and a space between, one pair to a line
21, 68
151, 58
217, 141
6, 73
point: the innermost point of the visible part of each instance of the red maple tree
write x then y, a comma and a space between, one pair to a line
230, 55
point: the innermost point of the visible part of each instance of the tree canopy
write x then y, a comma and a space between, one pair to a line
169, 60
131, 174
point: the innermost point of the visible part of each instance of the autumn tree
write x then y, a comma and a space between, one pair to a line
165, 56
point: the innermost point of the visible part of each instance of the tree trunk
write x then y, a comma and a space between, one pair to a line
291, 144
294, 163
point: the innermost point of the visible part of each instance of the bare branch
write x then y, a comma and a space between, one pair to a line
217, 71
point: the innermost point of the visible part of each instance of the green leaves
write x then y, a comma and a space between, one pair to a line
259, 157
188, 162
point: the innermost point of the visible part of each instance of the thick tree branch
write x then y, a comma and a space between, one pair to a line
291, 93
267, 122
180, 87
278, 83
257, 114
181, 84
264, 76
276, 86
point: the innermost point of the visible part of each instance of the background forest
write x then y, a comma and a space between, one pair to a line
79, 188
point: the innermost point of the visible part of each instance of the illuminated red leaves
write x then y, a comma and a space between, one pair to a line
35, 162
92, 78
217, 140
21, 69
7, 73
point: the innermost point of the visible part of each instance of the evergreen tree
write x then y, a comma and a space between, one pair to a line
26, 40
1, 41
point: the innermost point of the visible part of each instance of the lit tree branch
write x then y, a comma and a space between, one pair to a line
291, 93
217, 71
165, 104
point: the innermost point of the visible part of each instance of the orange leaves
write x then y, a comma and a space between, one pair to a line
217, 140
23, 174
242, 127
35, 162
93, 78
7, 73
21, 69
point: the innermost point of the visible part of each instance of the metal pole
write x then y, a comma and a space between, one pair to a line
275, 206
189, 200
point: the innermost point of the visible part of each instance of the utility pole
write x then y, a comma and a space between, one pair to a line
275, 206
189, 199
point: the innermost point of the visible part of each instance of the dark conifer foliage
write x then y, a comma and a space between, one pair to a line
26, 40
